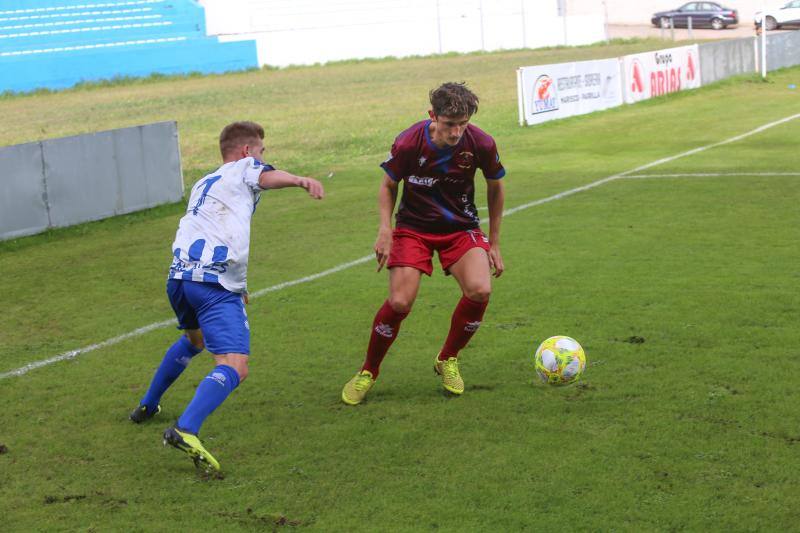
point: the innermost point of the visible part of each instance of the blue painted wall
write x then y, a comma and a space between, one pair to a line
57, 43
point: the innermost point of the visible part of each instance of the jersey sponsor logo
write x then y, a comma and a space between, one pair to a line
422, 160
544, 95
464, 159
425, 182
384, 330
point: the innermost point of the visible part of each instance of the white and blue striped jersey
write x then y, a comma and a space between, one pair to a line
212, 244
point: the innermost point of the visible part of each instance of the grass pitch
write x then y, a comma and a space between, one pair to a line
683, 291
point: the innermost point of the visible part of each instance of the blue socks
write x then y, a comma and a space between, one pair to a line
174, 363
210, 394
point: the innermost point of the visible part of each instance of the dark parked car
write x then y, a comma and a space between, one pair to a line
703, 15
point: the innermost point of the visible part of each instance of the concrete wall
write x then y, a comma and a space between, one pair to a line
783, 50
61, 182
723, 59
315, 31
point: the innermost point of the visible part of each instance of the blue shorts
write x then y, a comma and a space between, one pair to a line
218, 312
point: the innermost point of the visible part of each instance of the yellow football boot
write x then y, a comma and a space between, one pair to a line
191, 445
451, 377
357, 388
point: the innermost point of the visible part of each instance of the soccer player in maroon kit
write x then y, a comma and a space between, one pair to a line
436, 159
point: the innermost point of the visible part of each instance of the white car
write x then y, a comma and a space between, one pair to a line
788, 15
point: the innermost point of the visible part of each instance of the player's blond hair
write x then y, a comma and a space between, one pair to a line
238, 134
453, 99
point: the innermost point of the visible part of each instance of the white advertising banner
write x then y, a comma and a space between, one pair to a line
664, 71
548, 92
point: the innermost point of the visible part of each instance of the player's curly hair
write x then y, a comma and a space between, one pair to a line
453, 99
238, 134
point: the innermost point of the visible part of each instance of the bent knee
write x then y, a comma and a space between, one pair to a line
242, 370
200, 345
479, 294
196, 340
400, 304
237, 363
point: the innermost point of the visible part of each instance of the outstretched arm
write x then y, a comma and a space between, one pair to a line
387, 196
495, 195
278, 179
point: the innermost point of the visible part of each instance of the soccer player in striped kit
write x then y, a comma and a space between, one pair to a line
436, 159
207, 284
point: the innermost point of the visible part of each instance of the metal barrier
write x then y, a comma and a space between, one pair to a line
61, 182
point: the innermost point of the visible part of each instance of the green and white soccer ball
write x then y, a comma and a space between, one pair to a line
560, 360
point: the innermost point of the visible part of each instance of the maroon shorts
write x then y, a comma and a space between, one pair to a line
415, 249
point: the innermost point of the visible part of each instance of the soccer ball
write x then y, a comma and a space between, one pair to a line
560, 360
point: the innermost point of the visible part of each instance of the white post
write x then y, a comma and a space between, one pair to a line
439, 25
689, 27
672, 28
562, 7
755, 53
522, 14
764, 40
605, 21
480, 10
520, 98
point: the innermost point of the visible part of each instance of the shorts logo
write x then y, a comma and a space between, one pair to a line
464, 159
426, 182
472, 327
480, 234
384, 330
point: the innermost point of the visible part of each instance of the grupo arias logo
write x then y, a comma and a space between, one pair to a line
637, 80
545, 97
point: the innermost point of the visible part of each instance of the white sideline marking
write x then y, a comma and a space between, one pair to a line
312, 277
141, 331
715, 175
650, 165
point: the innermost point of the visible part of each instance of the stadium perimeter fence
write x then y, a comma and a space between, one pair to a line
549, 92
66, 181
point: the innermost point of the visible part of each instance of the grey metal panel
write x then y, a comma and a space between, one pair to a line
23, 207
723, 59
163, 176
67, 181
130, 170
81, 178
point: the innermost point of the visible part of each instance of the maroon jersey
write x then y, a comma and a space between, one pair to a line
439, 183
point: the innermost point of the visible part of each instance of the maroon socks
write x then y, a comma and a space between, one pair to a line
465, 322
384, 332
